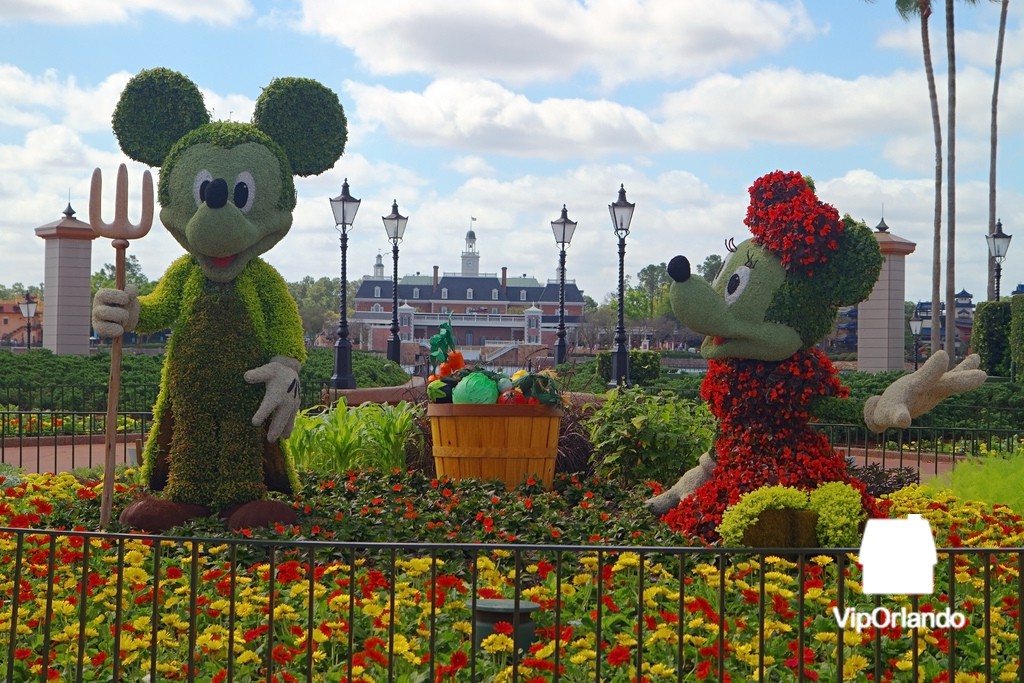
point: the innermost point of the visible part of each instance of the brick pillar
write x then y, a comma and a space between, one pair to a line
68, 322
881, 321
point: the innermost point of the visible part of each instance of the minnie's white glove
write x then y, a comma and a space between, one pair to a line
281, 400
915, 394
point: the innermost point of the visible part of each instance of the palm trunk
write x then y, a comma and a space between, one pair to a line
950, 341
993, 137
933, 98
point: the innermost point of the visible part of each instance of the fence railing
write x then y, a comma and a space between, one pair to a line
89, 397
60, 441
78, 606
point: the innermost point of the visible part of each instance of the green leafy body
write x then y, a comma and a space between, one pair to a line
227, 196
248, 338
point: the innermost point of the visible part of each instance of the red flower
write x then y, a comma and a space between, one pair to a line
618, 655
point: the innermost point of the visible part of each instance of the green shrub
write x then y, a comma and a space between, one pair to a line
1017, 334
339, 439
742, 514
993, 479
839, 507
644, 366
840, 514
990, 337
581, 377
639, 436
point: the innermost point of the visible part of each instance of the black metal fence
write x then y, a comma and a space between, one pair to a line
89, 606
61, 440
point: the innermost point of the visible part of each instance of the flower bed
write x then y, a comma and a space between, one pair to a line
117, 605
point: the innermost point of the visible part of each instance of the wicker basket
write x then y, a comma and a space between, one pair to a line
506, 442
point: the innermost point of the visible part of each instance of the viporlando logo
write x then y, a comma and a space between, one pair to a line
898, 557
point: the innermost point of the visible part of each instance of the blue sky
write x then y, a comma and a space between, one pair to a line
506, 110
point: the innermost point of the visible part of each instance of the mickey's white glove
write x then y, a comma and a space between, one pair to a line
915, 394
281, 401
115, 312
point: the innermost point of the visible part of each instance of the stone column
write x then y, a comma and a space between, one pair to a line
68, 322
881, 321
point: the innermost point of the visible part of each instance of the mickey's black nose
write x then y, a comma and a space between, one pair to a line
679, 269
216, 194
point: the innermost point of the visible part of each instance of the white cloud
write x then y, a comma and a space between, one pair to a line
117, 11
471, 165
615, 41
484, 115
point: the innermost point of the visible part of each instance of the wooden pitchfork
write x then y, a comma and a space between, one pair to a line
120, 231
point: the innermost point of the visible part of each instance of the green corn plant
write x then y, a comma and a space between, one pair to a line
340, 438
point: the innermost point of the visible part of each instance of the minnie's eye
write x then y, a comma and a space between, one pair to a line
737, 283
200, 185
244, 193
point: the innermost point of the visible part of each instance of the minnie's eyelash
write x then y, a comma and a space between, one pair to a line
730, 245
750, 261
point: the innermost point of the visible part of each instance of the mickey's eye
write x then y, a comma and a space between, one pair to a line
200, 185
244, 194
737, 283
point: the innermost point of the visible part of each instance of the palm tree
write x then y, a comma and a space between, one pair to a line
992, 143
951, 181
923, 9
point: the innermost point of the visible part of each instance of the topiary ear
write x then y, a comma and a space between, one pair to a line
157, 107
854, 268
306, 118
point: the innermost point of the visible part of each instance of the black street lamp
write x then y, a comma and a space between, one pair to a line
622, 213
344, 207
998, 244
394, 224
28, 310
563, 229
915, 329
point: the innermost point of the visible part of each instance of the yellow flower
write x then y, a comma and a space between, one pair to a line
661, 670
627, 560
498, 643
583, 656
582, 579
852, 638
853, 665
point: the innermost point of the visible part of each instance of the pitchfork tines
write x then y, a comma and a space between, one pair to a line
121, 228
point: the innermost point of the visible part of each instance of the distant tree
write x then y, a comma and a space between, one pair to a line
318, 301
16, 292
653, 280
133, 275
709, 269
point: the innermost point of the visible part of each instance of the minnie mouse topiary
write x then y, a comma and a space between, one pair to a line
775, 298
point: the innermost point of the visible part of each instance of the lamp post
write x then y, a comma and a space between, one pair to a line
622, 213
344, 207
563, 229
998, 243
394, 224
28, 310
915, 329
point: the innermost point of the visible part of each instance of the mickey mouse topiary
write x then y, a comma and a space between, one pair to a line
226, 194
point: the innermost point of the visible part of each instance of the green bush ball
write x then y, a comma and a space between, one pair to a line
156, 108
307, 119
